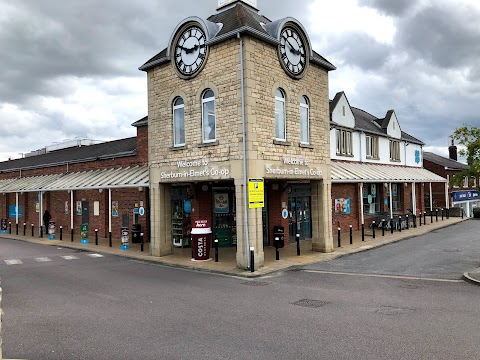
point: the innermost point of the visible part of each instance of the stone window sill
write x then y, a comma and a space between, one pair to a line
306, 146
282, 142
214, 143
175, 148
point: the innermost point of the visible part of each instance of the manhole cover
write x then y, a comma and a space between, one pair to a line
255, 283
310, 303
392, 310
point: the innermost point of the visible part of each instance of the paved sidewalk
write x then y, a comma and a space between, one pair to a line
227, 256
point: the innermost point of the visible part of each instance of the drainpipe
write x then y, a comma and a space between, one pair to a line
245, 203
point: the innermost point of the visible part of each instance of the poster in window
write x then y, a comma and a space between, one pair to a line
374, 190
79, 208
342, 206
115, 208
66, 207
220, 203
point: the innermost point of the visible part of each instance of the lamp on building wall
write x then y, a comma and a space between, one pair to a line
140, 188
405, 184
100, 190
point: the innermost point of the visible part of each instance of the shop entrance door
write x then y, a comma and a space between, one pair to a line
85, 212
300, 221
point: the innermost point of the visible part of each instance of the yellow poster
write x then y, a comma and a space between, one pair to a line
256, 194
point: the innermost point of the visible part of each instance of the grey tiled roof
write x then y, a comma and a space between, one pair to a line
443, 161
234, 19
142, 122
107, 150
371, 124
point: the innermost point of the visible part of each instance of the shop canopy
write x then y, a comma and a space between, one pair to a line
348, 172
129, 177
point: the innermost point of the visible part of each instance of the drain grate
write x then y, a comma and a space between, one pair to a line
255, 283
392, 310
310, 303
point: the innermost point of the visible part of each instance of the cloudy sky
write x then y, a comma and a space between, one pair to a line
70, 68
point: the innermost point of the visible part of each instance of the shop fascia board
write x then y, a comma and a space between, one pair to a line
77, 188
355, 181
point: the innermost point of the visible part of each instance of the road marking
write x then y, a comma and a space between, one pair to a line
383, 276
13, 262
69, 257
43, 259
95, 255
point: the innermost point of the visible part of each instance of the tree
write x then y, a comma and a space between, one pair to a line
468, 137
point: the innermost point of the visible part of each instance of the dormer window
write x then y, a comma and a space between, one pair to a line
394, 150
343, 110
344, 142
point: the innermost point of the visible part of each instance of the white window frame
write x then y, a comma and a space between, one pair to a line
394, 150
305, 107
371, 145
344, 142
177, 108
204, 101
281, 100
465, 181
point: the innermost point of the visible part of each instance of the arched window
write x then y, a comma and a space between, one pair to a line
209, 122
280, 121
304, 121
178, 122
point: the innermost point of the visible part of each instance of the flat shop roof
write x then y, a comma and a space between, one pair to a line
348, 172
94, 179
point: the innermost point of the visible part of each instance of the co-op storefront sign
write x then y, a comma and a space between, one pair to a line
467, 195
294, 166
195, 169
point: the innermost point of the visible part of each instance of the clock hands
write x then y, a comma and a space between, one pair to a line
292, 48
189, 50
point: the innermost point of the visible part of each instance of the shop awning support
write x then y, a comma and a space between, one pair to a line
391, 200
109, 210
71, 210
431, 198
446, 196
361, 204
414, 199
16, 208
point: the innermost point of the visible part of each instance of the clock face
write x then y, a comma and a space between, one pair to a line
292, 51
190, 51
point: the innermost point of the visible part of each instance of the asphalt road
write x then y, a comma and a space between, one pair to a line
81, 307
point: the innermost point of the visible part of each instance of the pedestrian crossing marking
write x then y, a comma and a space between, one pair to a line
69, 257
42, 259
13, 262
95, 255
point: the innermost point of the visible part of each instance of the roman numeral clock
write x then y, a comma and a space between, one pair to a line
190, 51
292, 52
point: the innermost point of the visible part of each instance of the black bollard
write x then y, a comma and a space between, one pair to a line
431, 216
141, 245
61, 233
460, 210
420, 222
406, 216
24, 229
110, 239
373, 229
252, 259
363, 232
400, 224
351, 235
383, 227
71, 235
32, 230
414, 220
277, 251
448, 213
216, 250
339, 240
391, 225
96, 236
16, 230
297, 236
436, 215
41, 231
425, 218
10, 226
442, 214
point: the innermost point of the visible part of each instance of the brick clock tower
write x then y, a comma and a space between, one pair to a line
234, 99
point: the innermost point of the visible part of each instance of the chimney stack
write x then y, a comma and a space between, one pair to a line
452, 151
